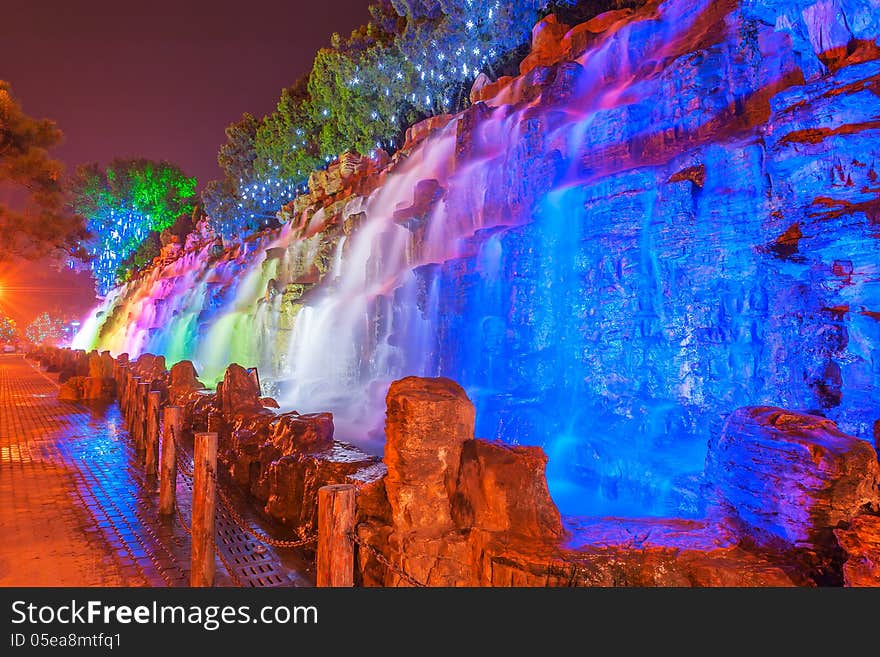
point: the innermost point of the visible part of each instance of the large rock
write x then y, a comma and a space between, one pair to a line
87, 388
861, 543
525, 565
504, 488
289, 485
100, 365
427, 422
183, 380
150, 367
419, 131
71, 389
547, 47
292, 432
239, 392
790, 476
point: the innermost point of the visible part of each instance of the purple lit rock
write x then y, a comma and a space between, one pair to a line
790, 476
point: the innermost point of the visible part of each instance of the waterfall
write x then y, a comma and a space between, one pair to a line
590, 253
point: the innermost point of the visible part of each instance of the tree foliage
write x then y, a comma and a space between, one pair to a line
414, 59
283, 141
45, 329
8, 329
38, 225
249, 194
123, 204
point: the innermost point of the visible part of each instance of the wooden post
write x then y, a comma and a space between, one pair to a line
336, 516
125, 386
121, 381
204, 499
126, 392
168, 468
140, 414
132, 405
154, 399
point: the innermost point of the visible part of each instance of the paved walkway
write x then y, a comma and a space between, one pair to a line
76, 509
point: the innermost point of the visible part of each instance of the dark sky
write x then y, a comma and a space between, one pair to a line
159, 79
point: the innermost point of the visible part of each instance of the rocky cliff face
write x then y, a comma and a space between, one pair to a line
670, 214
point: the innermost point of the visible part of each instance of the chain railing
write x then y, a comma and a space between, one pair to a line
382, 559
181, 519
185, 467
233, 514
245, 526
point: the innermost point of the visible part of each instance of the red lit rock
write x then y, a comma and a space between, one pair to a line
696, 174
71, 389
622, 567
149, 367
292, 432
861, 543
480, 83
239, 392
183, 381
418, 131
504, 488
100, 365
426, 194
87, 388
547, 46
290, 484
427, 422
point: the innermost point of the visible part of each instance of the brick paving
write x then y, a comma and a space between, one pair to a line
77, 510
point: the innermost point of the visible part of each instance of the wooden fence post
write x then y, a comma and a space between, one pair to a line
204, 500
132, 405
168, 467
126, 391
129, 405
140, 415
154, 399
121, 385
336, 517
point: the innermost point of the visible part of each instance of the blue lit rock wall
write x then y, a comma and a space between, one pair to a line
688, 236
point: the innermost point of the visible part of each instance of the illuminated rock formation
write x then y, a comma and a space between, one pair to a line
673, 213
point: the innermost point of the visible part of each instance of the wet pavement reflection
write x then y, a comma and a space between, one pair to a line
77, 509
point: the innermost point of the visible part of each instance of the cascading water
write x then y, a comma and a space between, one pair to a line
594, 253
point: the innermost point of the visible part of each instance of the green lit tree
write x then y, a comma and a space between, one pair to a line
415, 58
360, 93
123, 204
283, 142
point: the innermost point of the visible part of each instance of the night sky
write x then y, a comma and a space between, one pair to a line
159, 79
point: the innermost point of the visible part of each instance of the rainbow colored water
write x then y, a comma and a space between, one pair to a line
600, 267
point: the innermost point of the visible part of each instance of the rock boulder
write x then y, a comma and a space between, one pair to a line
427, 422
861, 543
504, 488
183, 381
791, 476
239, 392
